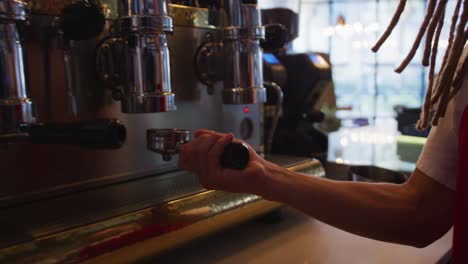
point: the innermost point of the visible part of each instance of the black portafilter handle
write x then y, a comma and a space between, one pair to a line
98, 134
235, 156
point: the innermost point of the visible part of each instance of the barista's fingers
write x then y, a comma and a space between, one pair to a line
192, 154
211, 177
203, 144
201, 132
218, 148
184, 157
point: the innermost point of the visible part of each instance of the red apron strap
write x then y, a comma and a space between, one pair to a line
460, 233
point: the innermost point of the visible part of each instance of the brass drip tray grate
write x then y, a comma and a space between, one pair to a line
40, 218
36, 219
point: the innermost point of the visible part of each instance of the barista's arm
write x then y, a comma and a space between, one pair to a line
416, 213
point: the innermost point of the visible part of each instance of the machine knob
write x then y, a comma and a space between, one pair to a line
276, 36
314, 117
184, 2
251, 2
235, 156
82, 20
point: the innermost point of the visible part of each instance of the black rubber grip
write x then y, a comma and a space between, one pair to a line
235, 156
99, 134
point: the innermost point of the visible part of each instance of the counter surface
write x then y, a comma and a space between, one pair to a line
298, 238
377, 145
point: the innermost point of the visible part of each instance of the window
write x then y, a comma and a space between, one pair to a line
347, 29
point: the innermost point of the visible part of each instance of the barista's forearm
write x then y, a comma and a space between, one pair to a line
387, 212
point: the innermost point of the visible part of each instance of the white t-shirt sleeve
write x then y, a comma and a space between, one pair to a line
439, 158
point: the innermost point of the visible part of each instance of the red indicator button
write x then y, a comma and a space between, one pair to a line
246, 110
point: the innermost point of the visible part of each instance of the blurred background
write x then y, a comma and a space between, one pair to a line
365, 83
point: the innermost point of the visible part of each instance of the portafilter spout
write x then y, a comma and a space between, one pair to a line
167, 142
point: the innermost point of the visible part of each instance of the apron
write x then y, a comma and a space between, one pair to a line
460, 231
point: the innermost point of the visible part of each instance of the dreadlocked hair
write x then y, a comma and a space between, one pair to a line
449, 80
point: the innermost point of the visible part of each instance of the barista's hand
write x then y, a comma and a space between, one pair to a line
201, 157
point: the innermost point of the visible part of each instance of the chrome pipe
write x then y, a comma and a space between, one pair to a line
15, 105
147, 7
274, 115
242, 32
145, 74
232, 12
148, 77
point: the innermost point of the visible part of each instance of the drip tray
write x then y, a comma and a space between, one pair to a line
40, 218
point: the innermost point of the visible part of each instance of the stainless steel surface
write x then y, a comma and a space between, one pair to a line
71, 63
243, 73
145, 74
166, 141
148, 82
147, 7
53, 193
15, 104
13, 9
243, 79
273, 113
127, 221
66, 168
232, 13
23, 222
245, 122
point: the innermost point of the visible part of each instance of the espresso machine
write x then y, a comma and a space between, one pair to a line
96, 97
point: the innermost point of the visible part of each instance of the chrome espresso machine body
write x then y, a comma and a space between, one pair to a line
83, 63
90, 90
